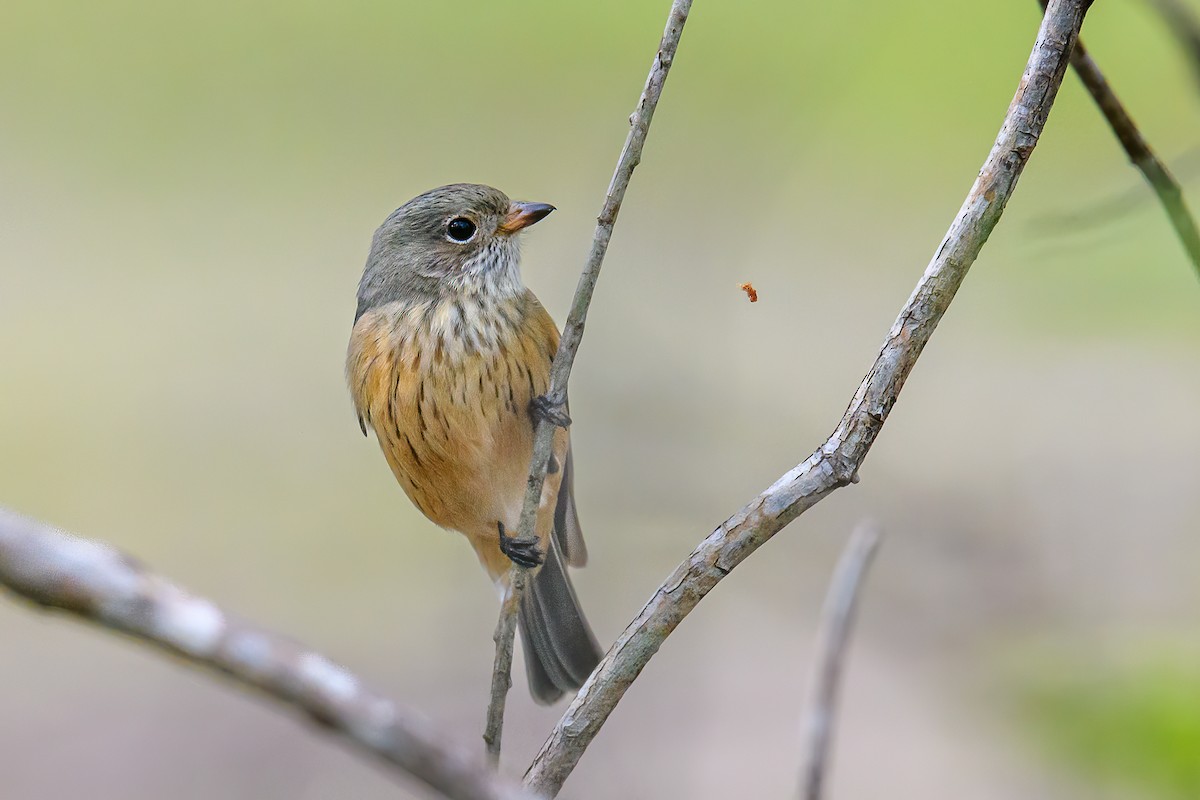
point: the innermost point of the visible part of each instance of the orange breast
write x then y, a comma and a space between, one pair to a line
449, 406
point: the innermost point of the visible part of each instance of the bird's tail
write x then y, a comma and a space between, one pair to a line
560, 648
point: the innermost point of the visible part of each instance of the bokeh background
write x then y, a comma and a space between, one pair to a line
187, 192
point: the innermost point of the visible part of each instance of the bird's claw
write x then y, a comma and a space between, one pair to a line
543, 408
521, 550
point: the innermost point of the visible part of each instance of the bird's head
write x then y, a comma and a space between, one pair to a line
456, 239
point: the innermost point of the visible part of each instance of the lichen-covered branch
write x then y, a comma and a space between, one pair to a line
99, 584
837, 618
836, 462
568, 346
1138, 149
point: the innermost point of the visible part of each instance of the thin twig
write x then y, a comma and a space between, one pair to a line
836, 462
568, 346
506, 628
837, 618
1139, 152
100, 584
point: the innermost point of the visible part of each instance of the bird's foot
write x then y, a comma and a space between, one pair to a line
543, 408
521, 550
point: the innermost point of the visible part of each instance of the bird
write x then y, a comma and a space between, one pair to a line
448, 364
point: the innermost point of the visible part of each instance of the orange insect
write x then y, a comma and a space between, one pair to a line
750, 292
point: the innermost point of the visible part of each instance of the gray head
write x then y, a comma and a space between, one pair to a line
456, 239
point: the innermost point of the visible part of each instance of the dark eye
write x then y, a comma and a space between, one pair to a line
460, 229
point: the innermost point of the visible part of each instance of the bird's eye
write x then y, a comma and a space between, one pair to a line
460, 229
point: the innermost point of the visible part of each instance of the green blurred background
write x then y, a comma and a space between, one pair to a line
187, 192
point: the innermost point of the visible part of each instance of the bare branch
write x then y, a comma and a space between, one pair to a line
568, 346
836, 462
837, 617
1138, 149
99, 584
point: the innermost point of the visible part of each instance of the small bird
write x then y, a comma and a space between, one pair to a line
449, 361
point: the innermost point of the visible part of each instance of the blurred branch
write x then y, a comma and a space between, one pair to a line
1138, 150
1184, 23
568, 346
837, 617
1099, 214
101, 585
836, 462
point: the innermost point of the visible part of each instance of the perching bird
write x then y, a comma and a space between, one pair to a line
448, 361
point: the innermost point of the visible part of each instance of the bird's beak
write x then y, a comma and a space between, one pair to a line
522, 215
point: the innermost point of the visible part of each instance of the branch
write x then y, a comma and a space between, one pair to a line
837, 617
1138, 150
506, 629
99, 584
568, 346
836, 462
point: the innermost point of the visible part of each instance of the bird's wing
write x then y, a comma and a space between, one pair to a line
566, 518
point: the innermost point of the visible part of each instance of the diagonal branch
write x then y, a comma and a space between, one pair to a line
836, 462
1139, 152
99, 584
568, 346
837, 617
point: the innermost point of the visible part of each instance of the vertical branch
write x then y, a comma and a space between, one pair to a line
837, 618
836, 462
1138, 149
506, 628
568, 346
